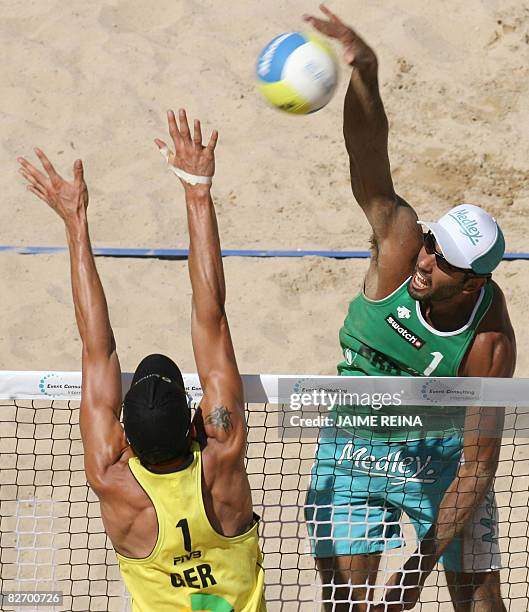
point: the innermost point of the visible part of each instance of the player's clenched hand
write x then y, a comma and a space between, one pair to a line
355, 51
190, 155
66, 198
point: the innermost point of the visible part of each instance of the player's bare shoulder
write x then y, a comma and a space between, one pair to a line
493, 349
119, 492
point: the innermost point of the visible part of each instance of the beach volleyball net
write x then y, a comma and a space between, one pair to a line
52, 538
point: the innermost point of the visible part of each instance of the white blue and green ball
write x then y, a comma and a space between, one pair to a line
297, 72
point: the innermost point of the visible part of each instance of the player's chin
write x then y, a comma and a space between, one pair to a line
420, 294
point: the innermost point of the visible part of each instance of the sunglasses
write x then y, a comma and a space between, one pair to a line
430, 246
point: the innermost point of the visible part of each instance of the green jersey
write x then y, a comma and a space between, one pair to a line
390, 337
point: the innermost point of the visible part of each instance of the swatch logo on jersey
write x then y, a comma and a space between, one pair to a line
404, 332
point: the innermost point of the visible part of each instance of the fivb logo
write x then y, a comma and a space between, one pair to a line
405, 333
468, 227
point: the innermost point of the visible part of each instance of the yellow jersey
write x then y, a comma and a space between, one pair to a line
192, 568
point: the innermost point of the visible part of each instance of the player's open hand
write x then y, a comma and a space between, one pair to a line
190, 155
67, 199
355, 51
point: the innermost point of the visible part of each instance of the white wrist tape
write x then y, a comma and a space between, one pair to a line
192, 179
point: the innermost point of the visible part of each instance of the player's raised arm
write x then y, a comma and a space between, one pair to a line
223, 405
396, 237
101, 432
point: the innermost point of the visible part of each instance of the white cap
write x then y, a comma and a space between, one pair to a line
469, 238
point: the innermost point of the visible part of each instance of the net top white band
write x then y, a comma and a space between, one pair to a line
277, 389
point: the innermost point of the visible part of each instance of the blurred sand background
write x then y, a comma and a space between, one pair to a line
93, 80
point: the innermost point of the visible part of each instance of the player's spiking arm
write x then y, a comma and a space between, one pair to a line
396, 236
447, 290
222, 406
103, 438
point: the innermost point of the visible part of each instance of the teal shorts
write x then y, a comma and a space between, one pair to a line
360, 488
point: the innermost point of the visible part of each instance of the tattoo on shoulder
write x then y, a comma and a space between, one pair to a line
220, 418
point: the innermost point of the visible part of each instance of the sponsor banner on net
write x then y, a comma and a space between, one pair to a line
36, 385
60, 385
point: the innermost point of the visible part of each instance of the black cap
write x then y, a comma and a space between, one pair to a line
156, 412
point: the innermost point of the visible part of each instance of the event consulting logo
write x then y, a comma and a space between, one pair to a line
464, 390
53, 385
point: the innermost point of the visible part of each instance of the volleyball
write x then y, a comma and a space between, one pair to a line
297, 73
